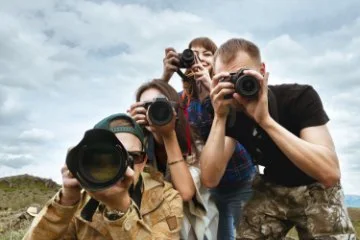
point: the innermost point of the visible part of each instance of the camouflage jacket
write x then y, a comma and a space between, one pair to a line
159, 217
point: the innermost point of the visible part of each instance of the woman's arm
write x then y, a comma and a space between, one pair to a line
180, 174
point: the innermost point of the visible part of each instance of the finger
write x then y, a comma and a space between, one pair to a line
135, 105
202, 74
172, 61
171, 54
64, 169
71, 183
137, 110
224, 102
265, 82
171, 67
216, 79
140, 110
197, 66
129, 178
142, 122
139, 117
222, 85
169, 49
223, 92
243, 101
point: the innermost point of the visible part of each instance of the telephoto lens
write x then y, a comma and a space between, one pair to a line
99, 160
245, 85
160, 111
187, 59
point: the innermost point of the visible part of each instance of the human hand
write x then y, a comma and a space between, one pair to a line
171, 62
219, 89
70, 192
201, 75
138, 112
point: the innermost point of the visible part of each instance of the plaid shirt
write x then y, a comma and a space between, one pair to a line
240, 168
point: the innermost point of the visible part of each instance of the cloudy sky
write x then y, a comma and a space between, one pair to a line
65, 64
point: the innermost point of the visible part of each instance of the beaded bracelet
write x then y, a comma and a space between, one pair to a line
174, 162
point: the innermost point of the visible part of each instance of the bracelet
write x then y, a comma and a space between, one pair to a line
177, 161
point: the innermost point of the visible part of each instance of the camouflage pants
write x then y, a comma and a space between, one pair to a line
316, 212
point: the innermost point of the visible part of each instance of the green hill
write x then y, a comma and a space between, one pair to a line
17, 193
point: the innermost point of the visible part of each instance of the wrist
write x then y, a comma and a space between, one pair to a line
69, 199
266, 123
167, 75
220, 119
169, 135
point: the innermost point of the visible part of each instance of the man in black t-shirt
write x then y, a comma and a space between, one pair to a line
284, 129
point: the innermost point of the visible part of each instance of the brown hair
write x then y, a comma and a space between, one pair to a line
170, 93
228, 50
204, 42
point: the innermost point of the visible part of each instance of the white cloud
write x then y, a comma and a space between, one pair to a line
36, 134
64, 65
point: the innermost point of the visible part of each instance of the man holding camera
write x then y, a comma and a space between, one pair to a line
138, 206
284, 129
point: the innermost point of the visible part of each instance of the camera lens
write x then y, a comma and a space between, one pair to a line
187, 58
99, 160
160, 113
102, 164
247, 86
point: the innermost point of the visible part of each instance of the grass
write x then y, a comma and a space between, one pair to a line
17, 193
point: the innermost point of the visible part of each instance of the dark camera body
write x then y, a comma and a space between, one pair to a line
245, 85
160, 111
99, 160
187, 59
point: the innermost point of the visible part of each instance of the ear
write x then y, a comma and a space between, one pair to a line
263, 69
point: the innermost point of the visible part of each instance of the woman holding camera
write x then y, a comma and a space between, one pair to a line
230, 182
174, 151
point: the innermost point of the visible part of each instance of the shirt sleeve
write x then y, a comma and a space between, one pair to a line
54, 221
308, 109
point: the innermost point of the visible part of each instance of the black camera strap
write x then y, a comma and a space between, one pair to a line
90, 208
182, 75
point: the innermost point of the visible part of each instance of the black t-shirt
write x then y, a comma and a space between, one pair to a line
293, 106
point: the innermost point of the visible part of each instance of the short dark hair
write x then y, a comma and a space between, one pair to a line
228, 50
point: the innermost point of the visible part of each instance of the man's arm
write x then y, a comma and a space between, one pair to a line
216, 154
218, 148
314, 152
